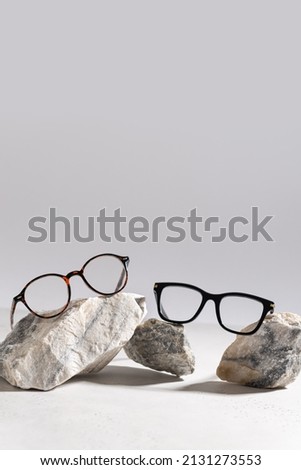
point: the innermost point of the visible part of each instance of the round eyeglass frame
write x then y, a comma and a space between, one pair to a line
21, 297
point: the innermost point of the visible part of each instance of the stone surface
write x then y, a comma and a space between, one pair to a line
271, 358
43, 353
161, 346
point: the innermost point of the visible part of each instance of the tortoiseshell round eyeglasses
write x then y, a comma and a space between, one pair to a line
49, 295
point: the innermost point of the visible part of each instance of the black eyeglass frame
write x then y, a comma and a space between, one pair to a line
21, 296
268, 305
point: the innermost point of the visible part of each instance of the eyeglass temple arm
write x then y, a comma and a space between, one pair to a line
12, 312
162, 309
164, 312
119, 283
121, 279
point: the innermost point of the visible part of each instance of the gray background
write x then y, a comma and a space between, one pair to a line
155, 107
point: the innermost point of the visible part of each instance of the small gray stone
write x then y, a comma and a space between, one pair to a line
161, 346
43, 353
270, 358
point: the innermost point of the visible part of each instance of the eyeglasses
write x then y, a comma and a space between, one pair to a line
49, 295
182, 303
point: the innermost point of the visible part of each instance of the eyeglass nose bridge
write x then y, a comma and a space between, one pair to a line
207, 299
73, 273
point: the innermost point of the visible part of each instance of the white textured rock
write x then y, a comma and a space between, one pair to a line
43, 353
271, 358
161, 346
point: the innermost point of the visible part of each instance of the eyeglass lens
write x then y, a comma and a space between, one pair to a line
105, 274
48, 294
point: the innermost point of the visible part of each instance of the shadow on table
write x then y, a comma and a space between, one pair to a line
6, 387
133, 376
129, 376
111, 375
223, 388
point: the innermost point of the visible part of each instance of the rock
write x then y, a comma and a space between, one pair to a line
270, 358
161, 346
42, 354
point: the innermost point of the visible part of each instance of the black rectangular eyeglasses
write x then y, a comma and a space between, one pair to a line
182, 303
49, 295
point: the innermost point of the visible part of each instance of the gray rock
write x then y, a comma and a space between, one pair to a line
271, 358
161, 346
43, 353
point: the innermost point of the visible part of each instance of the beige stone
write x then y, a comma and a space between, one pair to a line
270, 358
44, 353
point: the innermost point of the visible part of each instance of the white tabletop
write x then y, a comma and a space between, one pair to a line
127, 406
